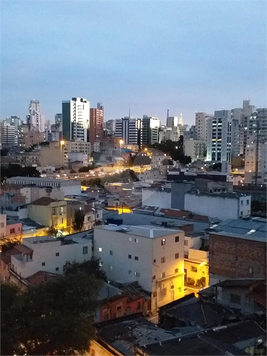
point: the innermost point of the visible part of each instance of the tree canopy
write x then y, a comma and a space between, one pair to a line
90, 267
13, 170
175, 149
51, 318
78, 220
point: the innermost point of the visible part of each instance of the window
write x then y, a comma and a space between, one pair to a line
242, 202
248, 202
100, 249
43, 263
2, 224
85, 250
163, 259
193, 269
12, 231
135, 240
162, 275
111, 253
57, 269
185, 242
163, 242
176, 270
130, 256
154, 277
250, 270
176, 256
57, 253
176, 238
129, 238
137, 274
154, 261
136, 258
154, 294
234, 298
111, 268
130, 272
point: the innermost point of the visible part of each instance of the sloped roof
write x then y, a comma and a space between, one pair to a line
41, 277
44, 201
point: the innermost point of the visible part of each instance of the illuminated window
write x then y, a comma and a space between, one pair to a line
100, 249
135, 240
163, 242
250, 270
137, 274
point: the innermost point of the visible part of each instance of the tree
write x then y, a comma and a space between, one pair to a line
78, 220
90, 267
13, 170
52, 231
51, 318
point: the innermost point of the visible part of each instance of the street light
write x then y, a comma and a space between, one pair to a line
121, 143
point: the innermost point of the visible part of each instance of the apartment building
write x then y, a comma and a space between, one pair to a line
152, 256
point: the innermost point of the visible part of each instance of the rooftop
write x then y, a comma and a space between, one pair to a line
229, 195
142, 231
44, 201
142, 219
41, 277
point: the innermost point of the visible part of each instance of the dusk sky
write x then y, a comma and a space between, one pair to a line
184, 56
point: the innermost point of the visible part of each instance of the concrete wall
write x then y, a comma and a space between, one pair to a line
153, 197
178, 191
54, 214
2, 225
217, 206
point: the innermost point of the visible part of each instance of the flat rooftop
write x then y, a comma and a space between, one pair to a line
144, 219
142, 231
38, 179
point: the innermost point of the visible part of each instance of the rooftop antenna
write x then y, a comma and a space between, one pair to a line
167, 115
129, 111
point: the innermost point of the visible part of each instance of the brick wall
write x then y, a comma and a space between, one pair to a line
237, 258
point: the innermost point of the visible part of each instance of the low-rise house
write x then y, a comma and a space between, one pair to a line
196, 268
9, 227
49, 254
118, 300
248, 296
49, 212
32, 193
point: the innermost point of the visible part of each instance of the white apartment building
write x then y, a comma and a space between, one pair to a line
50, 255
35, 118
129, 130
152, 256
219, 139
76, 119
79, 146
196, 149
69, 187
221, 206
200, 124
9, 135
168, 133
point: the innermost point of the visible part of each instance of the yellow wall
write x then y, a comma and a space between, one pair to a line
96, 349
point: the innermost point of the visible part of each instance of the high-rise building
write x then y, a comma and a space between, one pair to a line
172, 121
8, 135
219, 139
76, 119
149, 130
58, 118
14, 120
200, 124
35, 118
129, 130
96, 132
110, 127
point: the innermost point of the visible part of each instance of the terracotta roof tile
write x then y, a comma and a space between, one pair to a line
43, 201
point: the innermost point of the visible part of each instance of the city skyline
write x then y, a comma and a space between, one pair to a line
151, 56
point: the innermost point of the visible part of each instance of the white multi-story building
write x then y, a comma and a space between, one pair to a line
196, 149
221, 206
76, 119
157, 197
9, 135
129, 130
35, 118
152, 256
200, 124
69, 187
219, 139
45, 253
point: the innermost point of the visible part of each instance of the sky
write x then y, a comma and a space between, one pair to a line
185, 56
